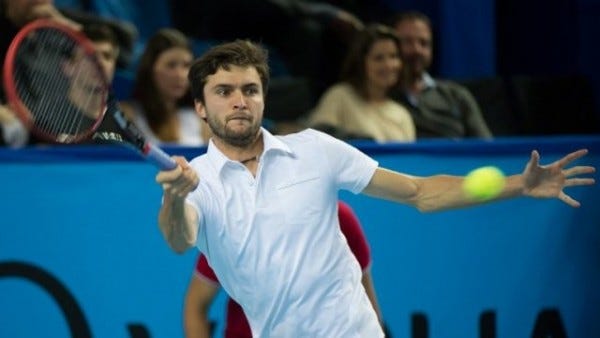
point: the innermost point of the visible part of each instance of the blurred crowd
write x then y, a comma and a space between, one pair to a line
348, 68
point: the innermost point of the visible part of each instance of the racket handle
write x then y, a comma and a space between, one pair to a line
159, 157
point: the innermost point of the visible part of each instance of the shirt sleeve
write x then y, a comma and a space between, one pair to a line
350, 168
203, 270
357, 241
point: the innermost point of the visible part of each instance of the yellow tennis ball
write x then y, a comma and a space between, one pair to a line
484, 183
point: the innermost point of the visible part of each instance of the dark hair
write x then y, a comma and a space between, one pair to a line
241, 53
99, 33
354, 68
145, 90
409, 16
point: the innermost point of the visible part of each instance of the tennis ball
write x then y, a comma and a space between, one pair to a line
484, 183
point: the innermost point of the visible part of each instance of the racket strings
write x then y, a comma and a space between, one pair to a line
60, 83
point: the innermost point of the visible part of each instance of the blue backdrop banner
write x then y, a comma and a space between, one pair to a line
81, 254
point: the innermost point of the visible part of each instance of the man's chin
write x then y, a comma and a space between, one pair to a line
240, 137
239, 141
416, 68
238, 130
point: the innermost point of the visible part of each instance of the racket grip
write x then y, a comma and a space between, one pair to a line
160, 158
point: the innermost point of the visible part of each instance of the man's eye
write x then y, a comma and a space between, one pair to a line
251, 91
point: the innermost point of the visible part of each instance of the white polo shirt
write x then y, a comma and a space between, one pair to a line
274, 241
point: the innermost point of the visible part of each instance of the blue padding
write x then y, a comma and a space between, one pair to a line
86, 216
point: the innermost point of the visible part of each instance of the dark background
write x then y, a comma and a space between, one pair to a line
545, 52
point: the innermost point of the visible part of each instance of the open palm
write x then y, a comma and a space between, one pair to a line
548, 181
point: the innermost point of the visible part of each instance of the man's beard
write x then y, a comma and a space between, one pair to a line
415, 65
237, 139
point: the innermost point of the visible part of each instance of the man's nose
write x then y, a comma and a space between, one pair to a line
239, 102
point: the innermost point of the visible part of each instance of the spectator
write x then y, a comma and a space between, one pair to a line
103, 33
106, 46
359, 106
124, 32
440, 108
161, 106
15, 14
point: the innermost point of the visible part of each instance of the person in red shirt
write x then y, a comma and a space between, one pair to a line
204, 285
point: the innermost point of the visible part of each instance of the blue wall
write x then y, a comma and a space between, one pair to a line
87, 217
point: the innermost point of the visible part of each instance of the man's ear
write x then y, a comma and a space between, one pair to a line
200, 109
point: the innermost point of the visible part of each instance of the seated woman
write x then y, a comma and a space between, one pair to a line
162, 107
359, 106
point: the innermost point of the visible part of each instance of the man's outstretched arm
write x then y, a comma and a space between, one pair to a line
442, 192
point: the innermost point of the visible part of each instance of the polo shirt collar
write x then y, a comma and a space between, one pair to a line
429, 81
271, 144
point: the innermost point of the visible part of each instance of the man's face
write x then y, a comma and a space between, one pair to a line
415, 43
233, 105
107, 55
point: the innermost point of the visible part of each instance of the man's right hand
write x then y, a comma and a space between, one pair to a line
178, 221
179, 182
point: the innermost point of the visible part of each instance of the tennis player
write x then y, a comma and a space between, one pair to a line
263, 208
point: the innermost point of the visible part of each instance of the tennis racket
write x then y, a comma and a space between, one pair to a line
57, 88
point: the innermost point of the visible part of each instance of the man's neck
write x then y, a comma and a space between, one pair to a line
414, 83
244, 154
